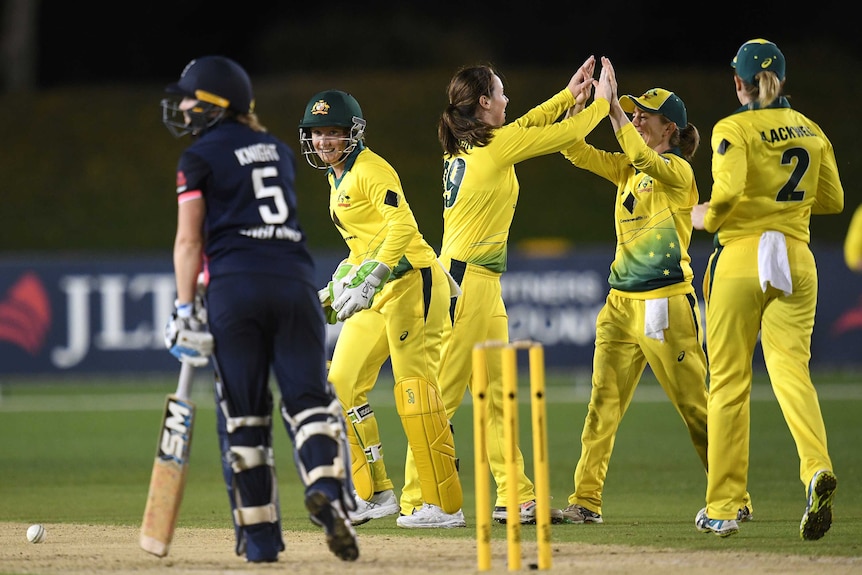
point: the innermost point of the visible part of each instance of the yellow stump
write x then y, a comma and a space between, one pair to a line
540, 455
480, 454
481, 394
510, 441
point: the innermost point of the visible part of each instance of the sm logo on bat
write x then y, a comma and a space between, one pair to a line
177, 431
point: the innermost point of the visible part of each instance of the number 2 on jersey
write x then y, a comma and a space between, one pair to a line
788, 192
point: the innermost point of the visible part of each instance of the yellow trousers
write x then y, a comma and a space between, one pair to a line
621, 355
737, 310
405, 324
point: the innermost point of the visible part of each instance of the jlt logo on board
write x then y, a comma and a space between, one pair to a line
111, 295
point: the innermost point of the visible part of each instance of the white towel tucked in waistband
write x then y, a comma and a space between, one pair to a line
655, 318
772, 264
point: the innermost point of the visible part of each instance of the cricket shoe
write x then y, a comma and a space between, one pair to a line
721, 527
526, 512
818, 513
431, 517
579, 514
340, 535
382, 504
744, 514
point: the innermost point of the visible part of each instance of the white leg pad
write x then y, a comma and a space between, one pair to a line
253, 515
314, 424
243, 458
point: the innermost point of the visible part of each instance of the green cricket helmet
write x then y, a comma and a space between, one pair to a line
326, 109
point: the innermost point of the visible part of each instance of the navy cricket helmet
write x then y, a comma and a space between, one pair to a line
218, 84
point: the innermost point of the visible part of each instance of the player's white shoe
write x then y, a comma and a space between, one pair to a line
527, 514
720, 527
579, 514
431, 517
382, 504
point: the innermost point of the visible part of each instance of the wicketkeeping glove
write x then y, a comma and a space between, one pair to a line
334, 289
187, 335
363, 285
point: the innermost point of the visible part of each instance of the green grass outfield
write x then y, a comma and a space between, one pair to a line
82, 452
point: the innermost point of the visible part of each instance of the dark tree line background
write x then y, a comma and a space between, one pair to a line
48, 43
89, 167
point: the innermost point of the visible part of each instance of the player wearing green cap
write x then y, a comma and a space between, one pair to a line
772, 169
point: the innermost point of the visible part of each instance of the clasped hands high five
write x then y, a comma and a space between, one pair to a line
583, 82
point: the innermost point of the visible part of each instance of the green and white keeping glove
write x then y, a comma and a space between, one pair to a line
363, 285
334, 288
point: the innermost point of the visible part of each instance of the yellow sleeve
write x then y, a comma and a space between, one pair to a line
667, 169
385, 193
830, 192
548, 111
609, 165
729, 169
517, 142
853, 242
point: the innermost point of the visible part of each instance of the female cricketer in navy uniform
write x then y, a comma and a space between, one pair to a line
772, 169
392, 295
651, 315
237, 214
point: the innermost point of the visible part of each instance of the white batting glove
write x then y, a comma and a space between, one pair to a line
359, 292
187, 336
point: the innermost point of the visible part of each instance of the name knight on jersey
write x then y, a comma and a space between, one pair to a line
256, 153
787, 133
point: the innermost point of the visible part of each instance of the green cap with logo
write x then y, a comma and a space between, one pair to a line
756, 56
658, 101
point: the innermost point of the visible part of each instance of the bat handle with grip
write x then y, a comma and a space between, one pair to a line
184, 385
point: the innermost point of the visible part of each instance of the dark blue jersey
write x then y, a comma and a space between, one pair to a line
247, 180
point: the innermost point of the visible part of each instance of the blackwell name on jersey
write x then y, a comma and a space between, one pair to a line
787, 133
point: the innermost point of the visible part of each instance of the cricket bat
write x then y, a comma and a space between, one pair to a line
170, 468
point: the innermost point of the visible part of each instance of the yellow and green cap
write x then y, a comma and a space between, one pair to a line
756, 56
659, 101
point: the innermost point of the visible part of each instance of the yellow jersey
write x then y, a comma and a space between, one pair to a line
480, 188
652, 214
772, 168
368, 207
